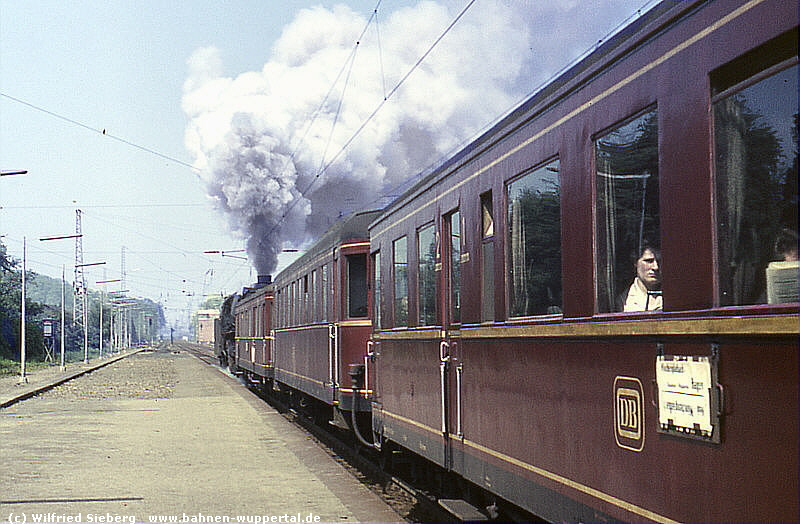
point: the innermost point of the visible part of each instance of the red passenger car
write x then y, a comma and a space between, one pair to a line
520, 348
322, 323
253, 312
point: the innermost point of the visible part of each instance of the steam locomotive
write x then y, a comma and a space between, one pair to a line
474, 322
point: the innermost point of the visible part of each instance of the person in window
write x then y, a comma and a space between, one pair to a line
786, 245
644, 293
782, 273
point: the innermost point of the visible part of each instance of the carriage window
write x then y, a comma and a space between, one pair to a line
534, 236
293, 320
455, 249
357, 286
377, 291
628, 231
401, 282
755, 138
314, 298
284, 295
288, 305
297, 305
306, 301
325, 293
487, 257
426, 277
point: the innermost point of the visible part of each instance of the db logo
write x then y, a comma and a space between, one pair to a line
629, 413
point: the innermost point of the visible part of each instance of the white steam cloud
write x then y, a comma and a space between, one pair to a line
262, 138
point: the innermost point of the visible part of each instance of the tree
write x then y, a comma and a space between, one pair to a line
10, 312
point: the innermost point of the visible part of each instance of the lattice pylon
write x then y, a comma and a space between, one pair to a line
79, 296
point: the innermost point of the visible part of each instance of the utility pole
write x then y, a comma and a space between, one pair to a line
63, 294
102, 305
63, 315
79, 309
23, 378
123, 312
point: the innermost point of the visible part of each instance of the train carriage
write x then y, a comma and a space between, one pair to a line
253, 355
323, 317
592, 311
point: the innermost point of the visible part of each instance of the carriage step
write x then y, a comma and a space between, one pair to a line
462, 510
338, 420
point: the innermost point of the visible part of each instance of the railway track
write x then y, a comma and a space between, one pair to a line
414, 504
203, 353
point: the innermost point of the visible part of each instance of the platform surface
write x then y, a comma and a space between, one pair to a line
205, 449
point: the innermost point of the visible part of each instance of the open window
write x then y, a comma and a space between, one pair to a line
487, 257
627, 215
357, 286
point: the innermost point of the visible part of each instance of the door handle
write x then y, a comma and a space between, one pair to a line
444, 351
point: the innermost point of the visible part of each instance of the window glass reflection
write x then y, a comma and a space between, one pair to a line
377, 313
626, 159
357, 286
755, 132
534, 223
427, 276
454, 220
401, 282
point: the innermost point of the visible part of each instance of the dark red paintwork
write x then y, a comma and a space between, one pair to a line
313, 350
253, 311
533, 420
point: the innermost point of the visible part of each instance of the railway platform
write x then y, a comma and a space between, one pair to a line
160, 436
13, 389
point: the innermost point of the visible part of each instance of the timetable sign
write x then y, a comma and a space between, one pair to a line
684, 395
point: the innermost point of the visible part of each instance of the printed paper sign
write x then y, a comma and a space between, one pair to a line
684, 394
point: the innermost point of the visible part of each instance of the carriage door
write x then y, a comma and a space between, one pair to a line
450, 370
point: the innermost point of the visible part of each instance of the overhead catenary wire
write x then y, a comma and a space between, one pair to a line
113, 206
391, 193
99, 131
68, 259
380, 50
325, 165
372, 115
346, 67
339, 107
373, 17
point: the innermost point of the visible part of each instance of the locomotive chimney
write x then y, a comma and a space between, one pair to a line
263, 280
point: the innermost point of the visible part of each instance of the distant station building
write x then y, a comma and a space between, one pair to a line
205, 325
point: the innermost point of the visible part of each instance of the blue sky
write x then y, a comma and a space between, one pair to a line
121, 66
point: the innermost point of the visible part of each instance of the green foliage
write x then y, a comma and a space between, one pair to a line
12, 367
541, 214
44, 301
11, 314
213, 302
